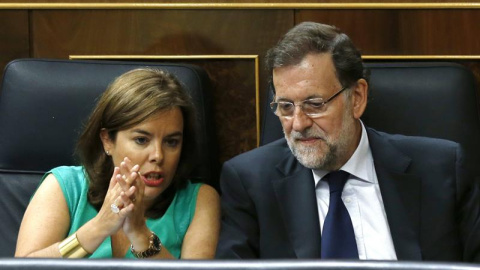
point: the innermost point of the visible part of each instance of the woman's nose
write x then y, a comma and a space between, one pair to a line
156, 155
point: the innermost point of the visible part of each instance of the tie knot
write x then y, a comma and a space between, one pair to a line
336, 180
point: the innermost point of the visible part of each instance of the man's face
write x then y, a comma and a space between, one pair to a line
328, 141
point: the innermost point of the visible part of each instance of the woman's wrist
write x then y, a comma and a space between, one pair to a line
97, 227
140, 239
154, 247
92, 234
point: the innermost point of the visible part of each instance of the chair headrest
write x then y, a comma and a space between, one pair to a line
43, 104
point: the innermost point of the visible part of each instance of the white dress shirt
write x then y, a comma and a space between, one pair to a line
363, 200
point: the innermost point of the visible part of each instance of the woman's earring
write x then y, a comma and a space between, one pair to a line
108, 153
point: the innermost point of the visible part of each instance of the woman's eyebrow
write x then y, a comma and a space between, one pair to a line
141, 131
175, 134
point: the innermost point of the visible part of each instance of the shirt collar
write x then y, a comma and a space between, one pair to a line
359, 165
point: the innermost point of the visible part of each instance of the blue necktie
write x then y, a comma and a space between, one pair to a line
338, 238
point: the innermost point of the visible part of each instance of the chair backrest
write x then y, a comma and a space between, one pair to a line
423, 99
43, 104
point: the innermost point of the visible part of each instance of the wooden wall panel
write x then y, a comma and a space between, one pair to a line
58, 33
14, 36
61, 33
234, 104
399, 32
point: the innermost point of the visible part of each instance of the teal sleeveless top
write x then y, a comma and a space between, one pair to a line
170, 228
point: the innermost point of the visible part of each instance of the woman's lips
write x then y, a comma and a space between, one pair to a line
152, 179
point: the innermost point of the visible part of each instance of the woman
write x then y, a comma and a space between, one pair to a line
131, 197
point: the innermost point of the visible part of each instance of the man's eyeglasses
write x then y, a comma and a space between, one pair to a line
313, 107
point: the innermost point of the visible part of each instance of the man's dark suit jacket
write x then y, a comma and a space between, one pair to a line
269, 207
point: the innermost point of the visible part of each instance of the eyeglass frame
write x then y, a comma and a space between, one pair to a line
323, 103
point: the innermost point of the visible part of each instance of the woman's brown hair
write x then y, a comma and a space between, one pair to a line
129, 100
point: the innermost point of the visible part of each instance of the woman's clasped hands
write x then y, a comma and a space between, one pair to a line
123, 206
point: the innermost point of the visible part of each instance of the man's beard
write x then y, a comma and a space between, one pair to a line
313, 157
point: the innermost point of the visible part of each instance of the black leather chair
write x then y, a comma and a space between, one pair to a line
423, 99
42, 106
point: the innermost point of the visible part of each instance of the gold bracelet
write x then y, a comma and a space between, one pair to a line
71, 248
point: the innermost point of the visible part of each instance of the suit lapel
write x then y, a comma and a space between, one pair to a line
401, 196
297, 200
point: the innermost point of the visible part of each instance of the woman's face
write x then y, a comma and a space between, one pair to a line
155, 145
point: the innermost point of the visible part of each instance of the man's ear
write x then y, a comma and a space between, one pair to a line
106, 141
360, 95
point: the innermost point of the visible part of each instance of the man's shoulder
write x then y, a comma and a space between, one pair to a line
409, 142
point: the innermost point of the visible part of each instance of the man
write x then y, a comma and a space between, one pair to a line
408, 198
